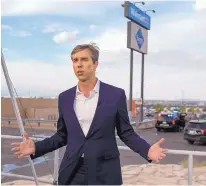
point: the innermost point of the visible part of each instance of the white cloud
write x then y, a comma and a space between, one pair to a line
65, 37
52, 28
18, 33
92, 27
47, 82
6, 27
200, 4
177, 33
112, 39
21, 33
49, 7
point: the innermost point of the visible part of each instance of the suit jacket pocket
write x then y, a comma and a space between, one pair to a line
111, 155
67, 161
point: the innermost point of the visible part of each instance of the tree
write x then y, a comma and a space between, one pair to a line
158, 107
191, 109
204, 109
169, 107
183, 108
197, 110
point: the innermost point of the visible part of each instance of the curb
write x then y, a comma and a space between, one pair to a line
145, 125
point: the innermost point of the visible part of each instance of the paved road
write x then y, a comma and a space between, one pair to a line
21, 166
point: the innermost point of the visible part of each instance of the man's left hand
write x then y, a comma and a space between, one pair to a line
156, 153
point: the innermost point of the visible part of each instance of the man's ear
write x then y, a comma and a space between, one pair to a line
96, 63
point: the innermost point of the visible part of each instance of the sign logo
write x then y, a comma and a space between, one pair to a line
139, 38
137, 15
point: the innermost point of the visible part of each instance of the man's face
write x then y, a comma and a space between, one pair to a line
84, 67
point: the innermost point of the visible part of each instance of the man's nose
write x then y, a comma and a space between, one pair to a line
79, 65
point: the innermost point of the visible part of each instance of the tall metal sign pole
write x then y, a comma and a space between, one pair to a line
137, 40
142, 90
131, 84
16, 110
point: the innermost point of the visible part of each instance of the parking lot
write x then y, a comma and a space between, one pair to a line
173, 140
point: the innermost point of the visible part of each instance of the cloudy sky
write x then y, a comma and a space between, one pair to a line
37, 38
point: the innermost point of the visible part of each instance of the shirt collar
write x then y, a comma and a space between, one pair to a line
96, 88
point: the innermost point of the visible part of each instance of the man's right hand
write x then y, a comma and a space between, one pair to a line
21, 149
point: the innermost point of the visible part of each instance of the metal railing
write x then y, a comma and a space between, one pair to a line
49, 122
33, 120
181, 152
56, 162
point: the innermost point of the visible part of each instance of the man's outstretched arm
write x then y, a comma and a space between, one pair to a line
58, 140
126, 133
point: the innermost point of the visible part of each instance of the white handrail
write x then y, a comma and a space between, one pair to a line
56, 159
19, 137
170, 151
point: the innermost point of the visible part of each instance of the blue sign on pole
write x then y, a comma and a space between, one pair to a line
137, 15
139, 38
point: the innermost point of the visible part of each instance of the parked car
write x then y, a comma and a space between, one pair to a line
202, 116
149, 114
169, 121
195, 131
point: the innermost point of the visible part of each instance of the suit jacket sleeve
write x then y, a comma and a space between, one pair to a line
54, 142
126, 133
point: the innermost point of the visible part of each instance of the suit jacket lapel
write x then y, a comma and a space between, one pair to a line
97, 114
72, 117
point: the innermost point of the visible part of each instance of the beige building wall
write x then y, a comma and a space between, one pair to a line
30, 112
46, 113
37, 108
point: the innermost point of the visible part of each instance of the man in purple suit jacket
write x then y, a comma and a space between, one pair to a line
89, 113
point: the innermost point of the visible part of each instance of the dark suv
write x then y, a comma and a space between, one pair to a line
195, 131
167, 121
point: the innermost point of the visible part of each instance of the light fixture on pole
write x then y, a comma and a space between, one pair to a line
150, 11
143, 3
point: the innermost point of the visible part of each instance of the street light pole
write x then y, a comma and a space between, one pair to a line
142, 83
131, 84
142, 89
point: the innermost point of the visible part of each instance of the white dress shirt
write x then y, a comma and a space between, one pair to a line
85, 107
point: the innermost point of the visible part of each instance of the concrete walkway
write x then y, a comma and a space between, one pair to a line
154, 174
149, 174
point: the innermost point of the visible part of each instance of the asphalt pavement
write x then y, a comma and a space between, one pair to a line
44, 165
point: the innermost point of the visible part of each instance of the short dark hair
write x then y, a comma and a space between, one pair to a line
92, 47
